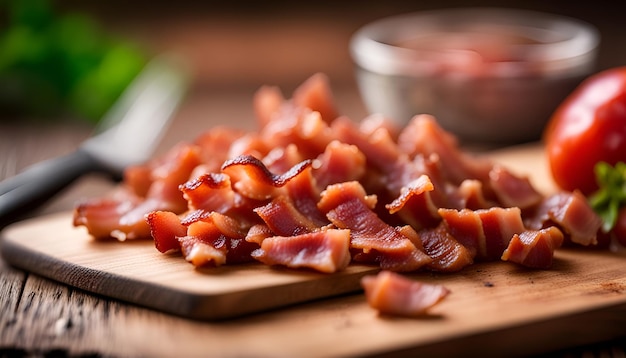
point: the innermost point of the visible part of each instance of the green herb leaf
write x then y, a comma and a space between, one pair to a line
611, 194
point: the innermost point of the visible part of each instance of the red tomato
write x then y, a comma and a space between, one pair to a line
588, 127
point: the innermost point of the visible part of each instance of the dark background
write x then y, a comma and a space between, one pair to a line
249, 43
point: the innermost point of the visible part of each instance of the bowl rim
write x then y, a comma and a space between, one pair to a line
371, 45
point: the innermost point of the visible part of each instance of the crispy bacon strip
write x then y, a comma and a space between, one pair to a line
393, 294
251, 178
210, 191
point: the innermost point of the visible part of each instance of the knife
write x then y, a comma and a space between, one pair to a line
127, 134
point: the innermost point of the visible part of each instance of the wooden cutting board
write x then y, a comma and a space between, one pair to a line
487, 298
135, 271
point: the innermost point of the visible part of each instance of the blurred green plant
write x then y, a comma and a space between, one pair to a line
53, 64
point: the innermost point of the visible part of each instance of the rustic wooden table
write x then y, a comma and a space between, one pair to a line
39, 317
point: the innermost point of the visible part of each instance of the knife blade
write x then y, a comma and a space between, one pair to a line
127, 134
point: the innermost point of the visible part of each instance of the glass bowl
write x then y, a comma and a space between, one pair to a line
488, 75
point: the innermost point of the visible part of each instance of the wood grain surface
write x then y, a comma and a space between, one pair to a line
136, 272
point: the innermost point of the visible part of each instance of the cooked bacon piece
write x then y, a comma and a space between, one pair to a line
324, 251
210, 192
249, 144
258, 233
411, 234
315, 94
173, 171
215, 147
379, 148
424, 136
283, 219
469, 195
447, 254
571, 213
534, 248
166, 228
393, 294
123, 215
215, 240
102, 216
138, 179
240, 251
415, 205
375, 122
204, 244
304, 193
251, 178
267, 101
298, 126
485, 232
337, 194
227, 225
347, 207
339, 163
512, 190
281, 159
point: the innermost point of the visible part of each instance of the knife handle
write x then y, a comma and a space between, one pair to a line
31, 188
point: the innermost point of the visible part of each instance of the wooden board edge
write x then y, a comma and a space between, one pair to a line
194, 305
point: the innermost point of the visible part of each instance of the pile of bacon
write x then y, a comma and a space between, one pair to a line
312, 189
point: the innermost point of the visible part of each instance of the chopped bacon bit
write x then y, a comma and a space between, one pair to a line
512, 190
347, 208
534, 249
485, 232
424, 136
470, 195
214, 241
138, 179
210, 191
415, 205
393, 294
304, 193
267, 101
325, 251
339, 163
165, 228
447, 254
258, 233
315, 94
252, 179
379, 148
214, 146
200, 253
283, 219
571, 213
